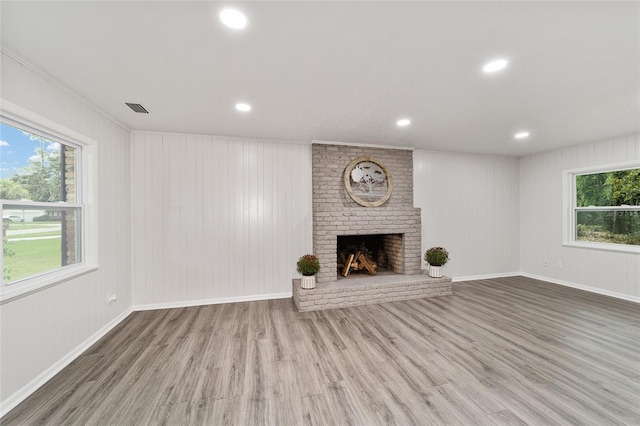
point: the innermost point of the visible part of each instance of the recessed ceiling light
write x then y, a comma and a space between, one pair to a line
521, 135
233, 18
403, 122
494, 66
243, 107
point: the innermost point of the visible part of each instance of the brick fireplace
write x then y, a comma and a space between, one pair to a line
336, 214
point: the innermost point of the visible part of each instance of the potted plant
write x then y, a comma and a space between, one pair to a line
436, 257
308, 266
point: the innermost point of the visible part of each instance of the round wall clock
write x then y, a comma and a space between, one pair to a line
368, 182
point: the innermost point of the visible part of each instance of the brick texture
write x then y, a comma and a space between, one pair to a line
335, 213
359, 292
69, 217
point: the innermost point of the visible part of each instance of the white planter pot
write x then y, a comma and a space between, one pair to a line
308, 281
435, 271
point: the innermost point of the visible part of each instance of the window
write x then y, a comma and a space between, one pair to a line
43, 204
604, 207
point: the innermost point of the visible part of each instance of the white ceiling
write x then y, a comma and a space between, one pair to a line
346, 71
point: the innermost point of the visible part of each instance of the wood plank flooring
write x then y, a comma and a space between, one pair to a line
506, 351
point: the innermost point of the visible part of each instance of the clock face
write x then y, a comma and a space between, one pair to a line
368, 182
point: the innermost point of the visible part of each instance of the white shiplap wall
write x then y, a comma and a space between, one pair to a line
41, 331
217, 218
541, 217
469, 206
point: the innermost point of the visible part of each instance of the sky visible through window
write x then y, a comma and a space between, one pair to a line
16, 148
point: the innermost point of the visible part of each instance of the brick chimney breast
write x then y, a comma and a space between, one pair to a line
336, 213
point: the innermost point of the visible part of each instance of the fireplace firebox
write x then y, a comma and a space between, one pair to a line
380, 252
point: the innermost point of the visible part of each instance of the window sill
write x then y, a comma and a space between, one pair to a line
620, 248
33, 285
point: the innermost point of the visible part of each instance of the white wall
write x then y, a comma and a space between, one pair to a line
216, 218
205, 207
37, 331
541, 221
469, 206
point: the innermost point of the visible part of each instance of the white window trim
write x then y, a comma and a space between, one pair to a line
89, 187
569, 201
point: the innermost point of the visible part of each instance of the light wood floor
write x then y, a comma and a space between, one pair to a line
503, 351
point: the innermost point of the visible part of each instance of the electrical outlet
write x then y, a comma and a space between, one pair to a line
546, 263
111, 298
559, 264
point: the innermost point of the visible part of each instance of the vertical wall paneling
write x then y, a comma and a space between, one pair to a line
469, 205
220, 217
541, 216
42, 331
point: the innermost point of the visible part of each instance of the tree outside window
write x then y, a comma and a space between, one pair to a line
40, 211
607, 207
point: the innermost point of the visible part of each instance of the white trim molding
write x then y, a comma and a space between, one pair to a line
590, 289
485, 276
11, 402
43, 281
406, 148
218, 301
203, 135
61, 87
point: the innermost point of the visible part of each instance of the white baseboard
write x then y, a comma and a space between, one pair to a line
11, 402
486, 276
218, 301
583, 287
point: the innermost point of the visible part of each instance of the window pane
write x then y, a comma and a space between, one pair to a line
35, 168
616, 188
38, 239
619, 227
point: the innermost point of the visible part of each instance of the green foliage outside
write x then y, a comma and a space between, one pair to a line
41, 180
31, 257
12, 190
32, 225
617, 188
6, 252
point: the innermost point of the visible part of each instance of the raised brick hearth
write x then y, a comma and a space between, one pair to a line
369, 290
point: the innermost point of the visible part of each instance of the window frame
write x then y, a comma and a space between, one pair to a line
19, 117
570, 208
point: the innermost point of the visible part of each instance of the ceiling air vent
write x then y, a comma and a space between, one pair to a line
137, 108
